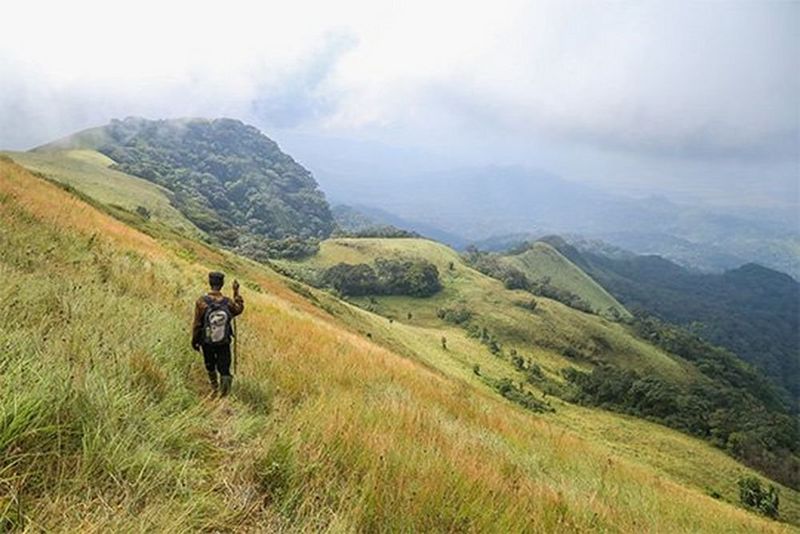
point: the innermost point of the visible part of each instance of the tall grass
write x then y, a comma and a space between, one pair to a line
105, 425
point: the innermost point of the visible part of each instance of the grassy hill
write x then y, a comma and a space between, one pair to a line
106, 428
540, 260
90, 172
540, 347
545, 334
751, 310
228, 178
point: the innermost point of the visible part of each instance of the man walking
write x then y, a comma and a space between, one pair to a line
212, 330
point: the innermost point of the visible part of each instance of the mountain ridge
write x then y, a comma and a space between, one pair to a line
227, 177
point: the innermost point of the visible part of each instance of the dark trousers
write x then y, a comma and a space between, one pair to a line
218, 358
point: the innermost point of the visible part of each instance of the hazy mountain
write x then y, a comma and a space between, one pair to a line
751, 310
480, 203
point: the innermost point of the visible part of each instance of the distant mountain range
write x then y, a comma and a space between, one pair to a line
492, 203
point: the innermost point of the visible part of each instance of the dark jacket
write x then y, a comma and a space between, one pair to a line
236, 305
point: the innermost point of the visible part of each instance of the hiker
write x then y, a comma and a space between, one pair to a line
212, 330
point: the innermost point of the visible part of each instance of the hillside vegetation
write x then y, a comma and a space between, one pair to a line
226, 177
106, 428
752, 310
546, 346
540, 261
89, 172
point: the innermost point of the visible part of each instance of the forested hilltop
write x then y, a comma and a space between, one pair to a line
752, 311
226, 177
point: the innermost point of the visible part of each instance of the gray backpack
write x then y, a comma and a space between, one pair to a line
217, 322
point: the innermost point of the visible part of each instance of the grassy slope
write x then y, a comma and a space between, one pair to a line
89, 139
88, 172
105, 428
543, 334
542, 260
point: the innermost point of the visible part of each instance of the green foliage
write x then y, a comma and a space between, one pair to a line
377, 231
490, 265
143, 212
521, 396
513, 278
752, 311
352, 280
733, 407
762, 500
543, 288
415, 278
457, 315
227, 178
291, 248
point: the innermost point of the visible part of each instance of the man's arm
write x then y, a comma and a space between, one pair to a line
197, 324
237, 306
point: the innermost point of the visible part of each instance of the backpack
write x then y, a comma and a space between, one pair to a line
217, 322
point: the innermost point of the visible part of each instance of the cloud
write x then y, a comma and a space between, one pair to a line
695, 80
657, 81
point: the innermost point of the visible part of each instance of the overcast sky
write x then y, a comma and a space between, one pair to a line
693, 99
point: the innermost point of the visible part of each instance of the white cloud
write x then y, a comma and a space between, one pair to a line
671, 79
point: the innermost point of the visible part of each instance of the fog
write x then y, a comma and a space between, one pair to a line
696, 101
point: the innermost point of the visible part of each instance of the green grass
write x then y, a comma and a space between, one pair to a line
104, 426
543, 334
89, 139
542, 260
88, 171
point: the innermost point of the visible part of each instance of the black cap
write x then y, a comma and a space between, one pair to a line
216, 278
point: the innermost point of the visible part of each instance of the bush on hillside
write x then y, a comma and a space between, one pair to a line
762, 500
415, 278
543, 288
513, 278
352, 280
377, 231
457, 315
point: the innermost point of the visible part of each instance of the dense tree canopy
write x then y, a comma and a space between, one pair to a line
731, 405
752, 311
227, 178
415, 278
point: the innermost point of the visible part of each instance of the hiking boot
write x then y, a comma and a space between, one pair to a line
212, 379
225, 386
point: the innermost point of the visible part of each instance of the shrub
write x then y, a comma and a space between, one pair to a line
143, 212
544, 288
352, 280
415, 278
526, 399
752, 495
459, 315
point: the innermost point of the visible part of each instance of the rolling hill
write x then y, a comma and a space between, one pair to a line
90, 172
227, 178
477, 204
540, 260
347, 414
752, 310
548, 340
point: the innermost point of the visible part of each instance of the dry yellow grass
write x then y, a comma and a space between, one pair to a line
327, 430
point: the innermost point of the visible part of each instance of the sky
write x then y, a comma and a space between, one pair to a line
694, 100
